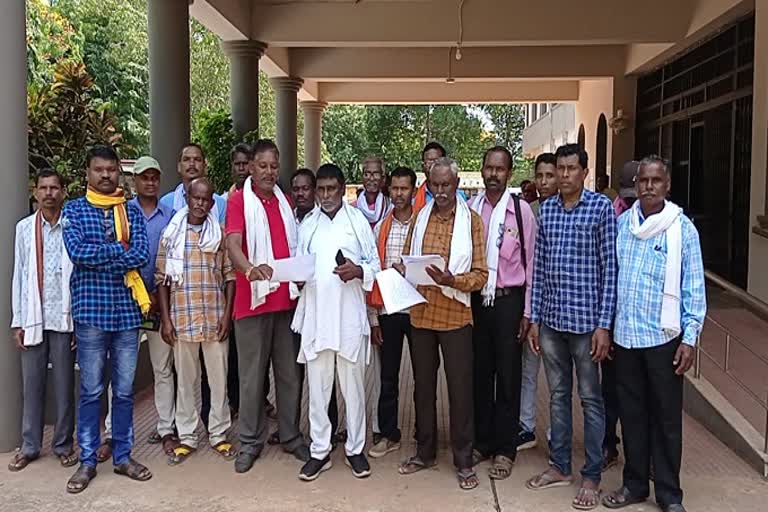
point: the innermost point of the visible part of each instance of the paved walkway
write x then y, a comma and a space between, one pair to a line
714, 479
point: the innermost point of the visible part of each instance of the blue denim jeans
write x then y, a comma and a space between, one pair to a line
561, 351
94, 348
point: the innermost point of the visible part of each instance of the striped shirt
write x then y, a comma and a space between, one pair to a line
641, 287
198, 303
574, 276
100, 298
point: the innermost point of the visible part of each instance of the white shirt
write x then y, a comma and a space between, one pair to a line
53, 245
331, 314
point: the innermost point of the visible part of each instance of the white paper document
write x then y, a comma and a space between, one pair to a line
397, 293
298, 269
416, 268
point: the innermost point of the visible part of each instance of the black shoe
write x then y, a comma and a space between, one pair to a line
359, 465
301, 452
314, 467
675, 507
244, 462
526, 440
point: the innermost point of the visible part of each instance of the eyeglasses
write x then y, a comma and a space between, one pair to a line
375, 174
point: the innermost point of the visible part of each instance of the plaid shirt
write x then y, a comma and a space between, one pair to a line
574, 273
642, 266
440, 313
398, 234
99, 295
198, 303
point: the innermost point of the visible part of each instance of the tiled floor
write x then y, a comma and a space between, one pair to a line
714, 478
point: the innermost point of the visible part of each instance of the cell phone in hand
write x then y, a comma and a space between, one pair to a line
340, 259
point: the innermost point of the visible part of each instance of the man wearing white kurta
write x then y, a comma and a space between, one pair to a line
332, 319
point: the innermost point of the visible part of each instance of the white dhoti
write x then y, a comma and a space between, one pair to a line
320, 377
332, 319
374, 369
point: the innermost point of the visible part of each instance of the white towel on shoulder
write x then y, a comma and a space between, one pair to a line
460, 259
492, 244
174, 239
259, 241
667, 221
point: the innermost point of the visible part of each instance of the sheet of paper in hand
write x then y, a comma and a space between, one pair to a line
397, 293
298, 269
416, 268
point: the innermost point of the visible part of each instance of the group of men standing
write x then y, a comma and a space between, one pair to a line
194, 271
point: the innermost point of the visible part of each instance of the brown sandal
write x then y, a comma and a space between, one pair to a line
134, 471
501, 467
579, 501
170, 443
104, 453
546, 480
19, 462
68, 460
413, 465
81, 479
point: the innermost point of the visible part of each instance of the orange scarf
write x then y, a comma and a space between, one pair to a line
374, 297
420, 201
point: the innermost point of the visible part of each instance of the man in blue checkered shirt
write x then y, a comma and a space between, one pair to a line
106, 315
659, 316
573, 303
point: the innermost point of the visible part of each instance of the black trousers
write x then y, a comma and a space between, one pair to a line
456, 348
498, 372
393, 329
233, 382
611, 401
651, 411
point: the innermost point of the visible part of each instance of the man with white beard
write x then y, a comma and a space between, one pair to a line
332, 319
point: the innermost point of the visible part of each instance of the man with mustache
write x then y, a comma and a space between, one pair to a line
195, 283
447, 227
429, 155
332, 319
42, 323
573, 304
106, 240
261, 229
192, 165
659, 316
501, 312
390, 235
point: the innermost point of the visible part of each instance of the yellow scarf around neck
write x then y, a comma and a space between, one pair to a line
116, 201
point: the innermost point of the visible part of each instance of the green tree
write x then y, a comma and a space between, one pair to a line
51, 39
64, 118
115, 50
508, 124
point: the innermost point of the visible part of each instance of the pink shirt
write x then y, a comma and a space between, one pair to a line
511, 272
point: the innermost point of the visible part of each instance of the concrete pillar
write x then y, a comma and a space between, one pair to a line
758, 242
168, 22
244, 83
313, 132
285, 105
622, 145
14, 201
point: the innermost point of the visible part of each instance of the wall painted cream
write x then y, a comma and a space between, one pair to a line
595, 98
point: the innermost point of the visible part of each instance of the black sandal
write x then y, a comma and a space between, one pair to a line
134, 471
69, 459
621, 498
81, 479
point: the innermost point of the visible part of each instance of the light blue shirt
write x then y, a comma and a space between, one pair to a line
642, 266
156, 223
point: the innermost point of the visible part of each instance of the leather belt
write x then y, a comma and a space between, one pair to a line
505, 292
